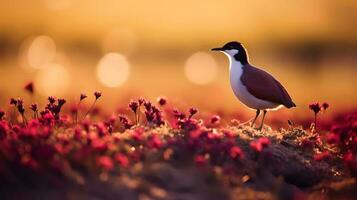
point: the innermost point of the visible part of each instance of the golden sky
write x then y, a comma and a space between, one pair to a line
153, 48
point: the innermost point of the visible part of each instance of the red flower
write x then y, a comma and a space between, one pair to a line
99, 145
178, 115
259, 144
228, 133
148, 105
13, 101
315, 107
333, 138
322, 156
141, 101
236, 152
4, 128
33, 107
155, 142
350, 161
122, 159
325, 105
200, 160
256, 146
133, 105
82, 96
307, 144
97, 94
20, 106
162, 101
62, 149
29, 87
215, 119
125, 121
192, 112
61, 102
264, 141
105, 162
28, 161
2, 114
51, 99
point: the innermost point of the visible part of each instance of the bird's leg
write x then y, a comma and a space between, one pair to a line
261, 125
255, 118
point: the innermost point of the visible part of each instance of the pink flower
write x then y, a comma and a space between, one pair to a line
33, 107
105, 162
236, 152
155, 142
13, 102
325, 105
47, 119
200, 160
264, 141
29, 87
315, 107
228, 133
28, 161
82, 96
122, 159
137, 133
333, 138
307, 144
141, 101
215, 119
162, 101
51, 99
178, 115
350, 161
134, 105
20, 106
125, 121
256, 146
62, 149
259, 144
322, 156
2, 114
4, 128
77, 133
99, 145
192, 112
97, 94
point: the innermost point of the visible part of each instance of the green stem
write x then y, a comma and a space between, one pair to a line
90, 109
76, 114
315, 121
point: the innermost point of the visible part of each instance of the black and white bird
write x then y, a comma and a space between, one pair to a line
254, 87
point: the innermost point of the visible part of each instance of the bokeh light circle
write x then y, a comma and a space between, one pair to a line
52, 80
41, 52
201, 68
113, 70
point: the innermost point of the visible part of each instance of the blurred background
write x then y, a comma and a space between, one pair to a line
128, 49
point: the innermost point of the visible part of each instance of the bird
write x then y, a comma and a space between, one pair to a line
254, 87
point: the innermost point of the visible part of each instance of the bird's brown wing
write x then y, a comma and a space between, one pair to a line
264, 86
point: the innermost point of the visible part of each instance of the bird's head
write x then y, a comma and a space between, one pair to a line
234, 50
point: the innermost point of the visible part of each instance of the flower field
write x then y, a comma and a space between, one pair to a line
151, 150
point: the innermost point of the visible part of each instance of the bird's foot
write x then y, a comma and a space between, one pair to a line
260, 128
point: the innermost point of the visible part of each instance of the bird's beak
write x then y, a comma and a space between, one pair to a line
217, 49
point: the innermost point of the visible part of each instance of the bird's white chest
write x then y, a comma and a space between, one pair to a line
240, 90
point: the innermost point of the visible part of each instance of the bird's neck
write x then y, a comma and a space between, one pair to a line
235, 64
235, 68
242, 57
